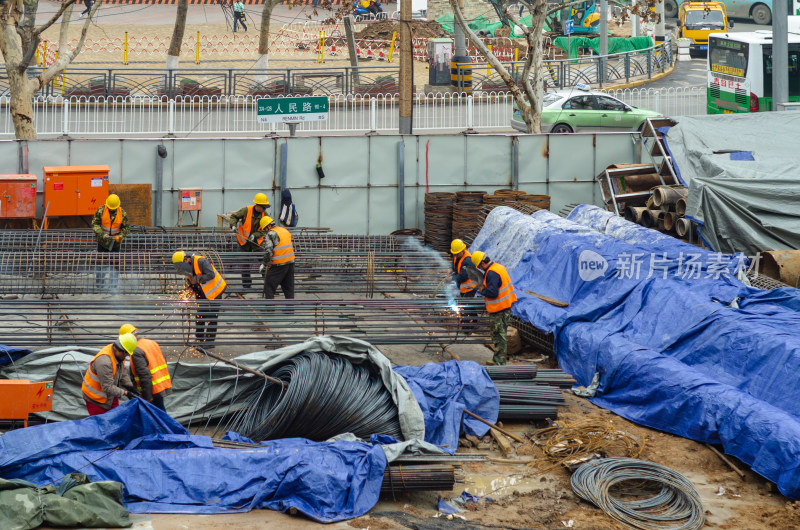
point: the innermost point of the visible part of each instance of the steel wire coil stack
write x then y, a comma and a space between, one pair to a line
323, 396
640, 494
466, 212
439, 220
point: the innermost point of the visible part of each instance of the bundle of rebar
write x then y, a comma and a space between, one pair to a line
529, 374
526, 392
513, 371
265, 323
554, 377
87, 272
466, 212
439, 220
432, 477
640, 494
517, 394
322, 396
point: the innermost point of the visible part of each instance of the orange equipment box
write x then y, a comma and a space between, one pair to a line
191, 199
75, 190
18, 196
20, 397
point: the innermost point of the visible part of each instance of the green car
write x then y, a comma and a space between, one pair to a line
566, 111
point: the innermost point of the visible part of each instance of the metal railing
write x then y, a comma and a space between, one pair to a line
236, 115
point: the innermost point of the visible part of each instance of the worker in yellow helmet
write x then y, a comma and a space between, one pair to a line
244, 224
462, 275
278, 266
106, 380
110, 225
208, 286
149, 368
499, 296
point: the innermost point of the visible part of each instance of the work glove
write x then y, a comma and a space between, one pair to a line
262, 269
116, 238
106, 241
234, 227
193, 280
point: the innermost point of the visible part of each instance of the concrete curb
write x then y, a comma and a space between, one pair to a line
643, 81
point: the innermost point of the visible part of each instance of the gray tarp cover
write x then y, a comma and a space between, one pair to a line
745, 205
207, 390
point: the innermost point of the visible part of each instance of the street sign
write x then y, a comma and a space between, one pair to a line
569, 27
292, 110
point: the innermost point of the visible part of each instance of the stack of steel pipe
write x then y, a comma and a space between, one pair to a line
665, 210
431, 477
316, 271
265, 323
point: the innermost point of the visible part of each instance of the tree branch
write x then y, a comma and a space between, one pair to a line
54, 18
65, 57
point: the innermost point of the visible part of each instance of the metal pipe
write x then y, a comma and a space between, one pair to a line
161, 153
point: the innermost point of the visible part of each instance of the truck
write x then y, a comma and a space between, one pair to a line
696, 20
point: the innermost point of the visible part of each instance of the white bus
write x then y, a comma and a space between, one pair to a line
740, 71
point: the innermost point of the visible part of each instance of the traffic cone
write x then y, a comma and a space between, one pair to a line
381, 55
333, 47
369, 53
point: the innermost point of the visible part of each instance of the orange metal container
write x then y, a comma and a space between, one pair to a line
191, 199
18, 196
20, 397
75, 190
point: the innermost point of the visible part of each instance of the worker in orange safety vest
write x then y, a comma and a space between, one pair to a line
278, 266
244, 223
106, 379
208, 286
499, 297
149, 368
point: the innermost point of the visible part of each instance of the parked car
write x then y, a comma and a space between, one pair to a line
576, 110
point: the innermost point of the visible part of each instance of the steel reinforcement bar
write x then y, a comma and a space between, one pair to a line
265, 323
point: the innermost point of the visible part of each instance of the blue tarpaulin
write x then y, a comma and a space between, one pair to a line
444, 390
684, 348
167, 470
9, 354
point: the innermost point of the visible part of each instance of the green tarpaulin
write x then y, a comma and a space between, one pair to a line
482, 24
75, 502
615, 44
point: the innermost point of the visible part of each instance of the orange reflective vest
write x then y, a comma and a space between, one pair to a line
470, 284
213, 288
157, 365
111, 228
284, 252
91, 383
505, 296
243, 232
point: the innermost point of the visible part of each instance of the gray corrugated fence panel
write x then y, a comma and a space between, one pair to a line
533, 163
302, 178
249, 169
139, 167
197, 164
383, 189
571, 169
412, 198
612, 149
9, 158
488, 161
344, 193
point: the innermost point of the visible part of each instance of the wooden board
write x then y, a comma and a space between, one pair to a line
137, 201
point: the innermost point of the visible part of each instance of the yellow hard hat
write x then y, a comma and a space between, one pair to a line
261, 199
477, 257
112, 202
127, 328
178, 256
457, 246
265, 222
128, 342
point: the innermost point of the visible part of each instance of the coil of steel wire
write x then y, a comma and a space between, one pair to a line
324, 396
439, 220
465, 215
640, 494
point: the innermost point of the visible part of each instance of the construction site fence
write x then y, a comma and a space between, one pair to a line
236, 115
373, 184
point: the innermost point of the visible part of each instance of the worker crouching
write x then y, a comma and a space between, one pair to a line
278, 266
149, 369
208, 286
106, 380
499, 297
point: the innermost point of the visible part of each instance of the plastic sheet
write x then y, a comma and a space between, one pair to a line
673, 351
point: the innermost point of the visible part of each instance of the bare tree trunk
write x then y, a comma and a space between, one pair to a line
174, 52
262, 62
21, 104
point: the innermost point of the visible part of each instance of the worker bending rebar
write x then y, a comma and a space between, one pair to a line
111, 227
245, 223
499, 297
149, 368
106, 379
207, 285
278, 266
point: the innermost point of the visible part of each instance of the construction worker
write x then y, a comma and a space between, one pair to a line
149, 368
499, 296
244, 223
110, 225
461, 275
278, 266
107, 378
208, 286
